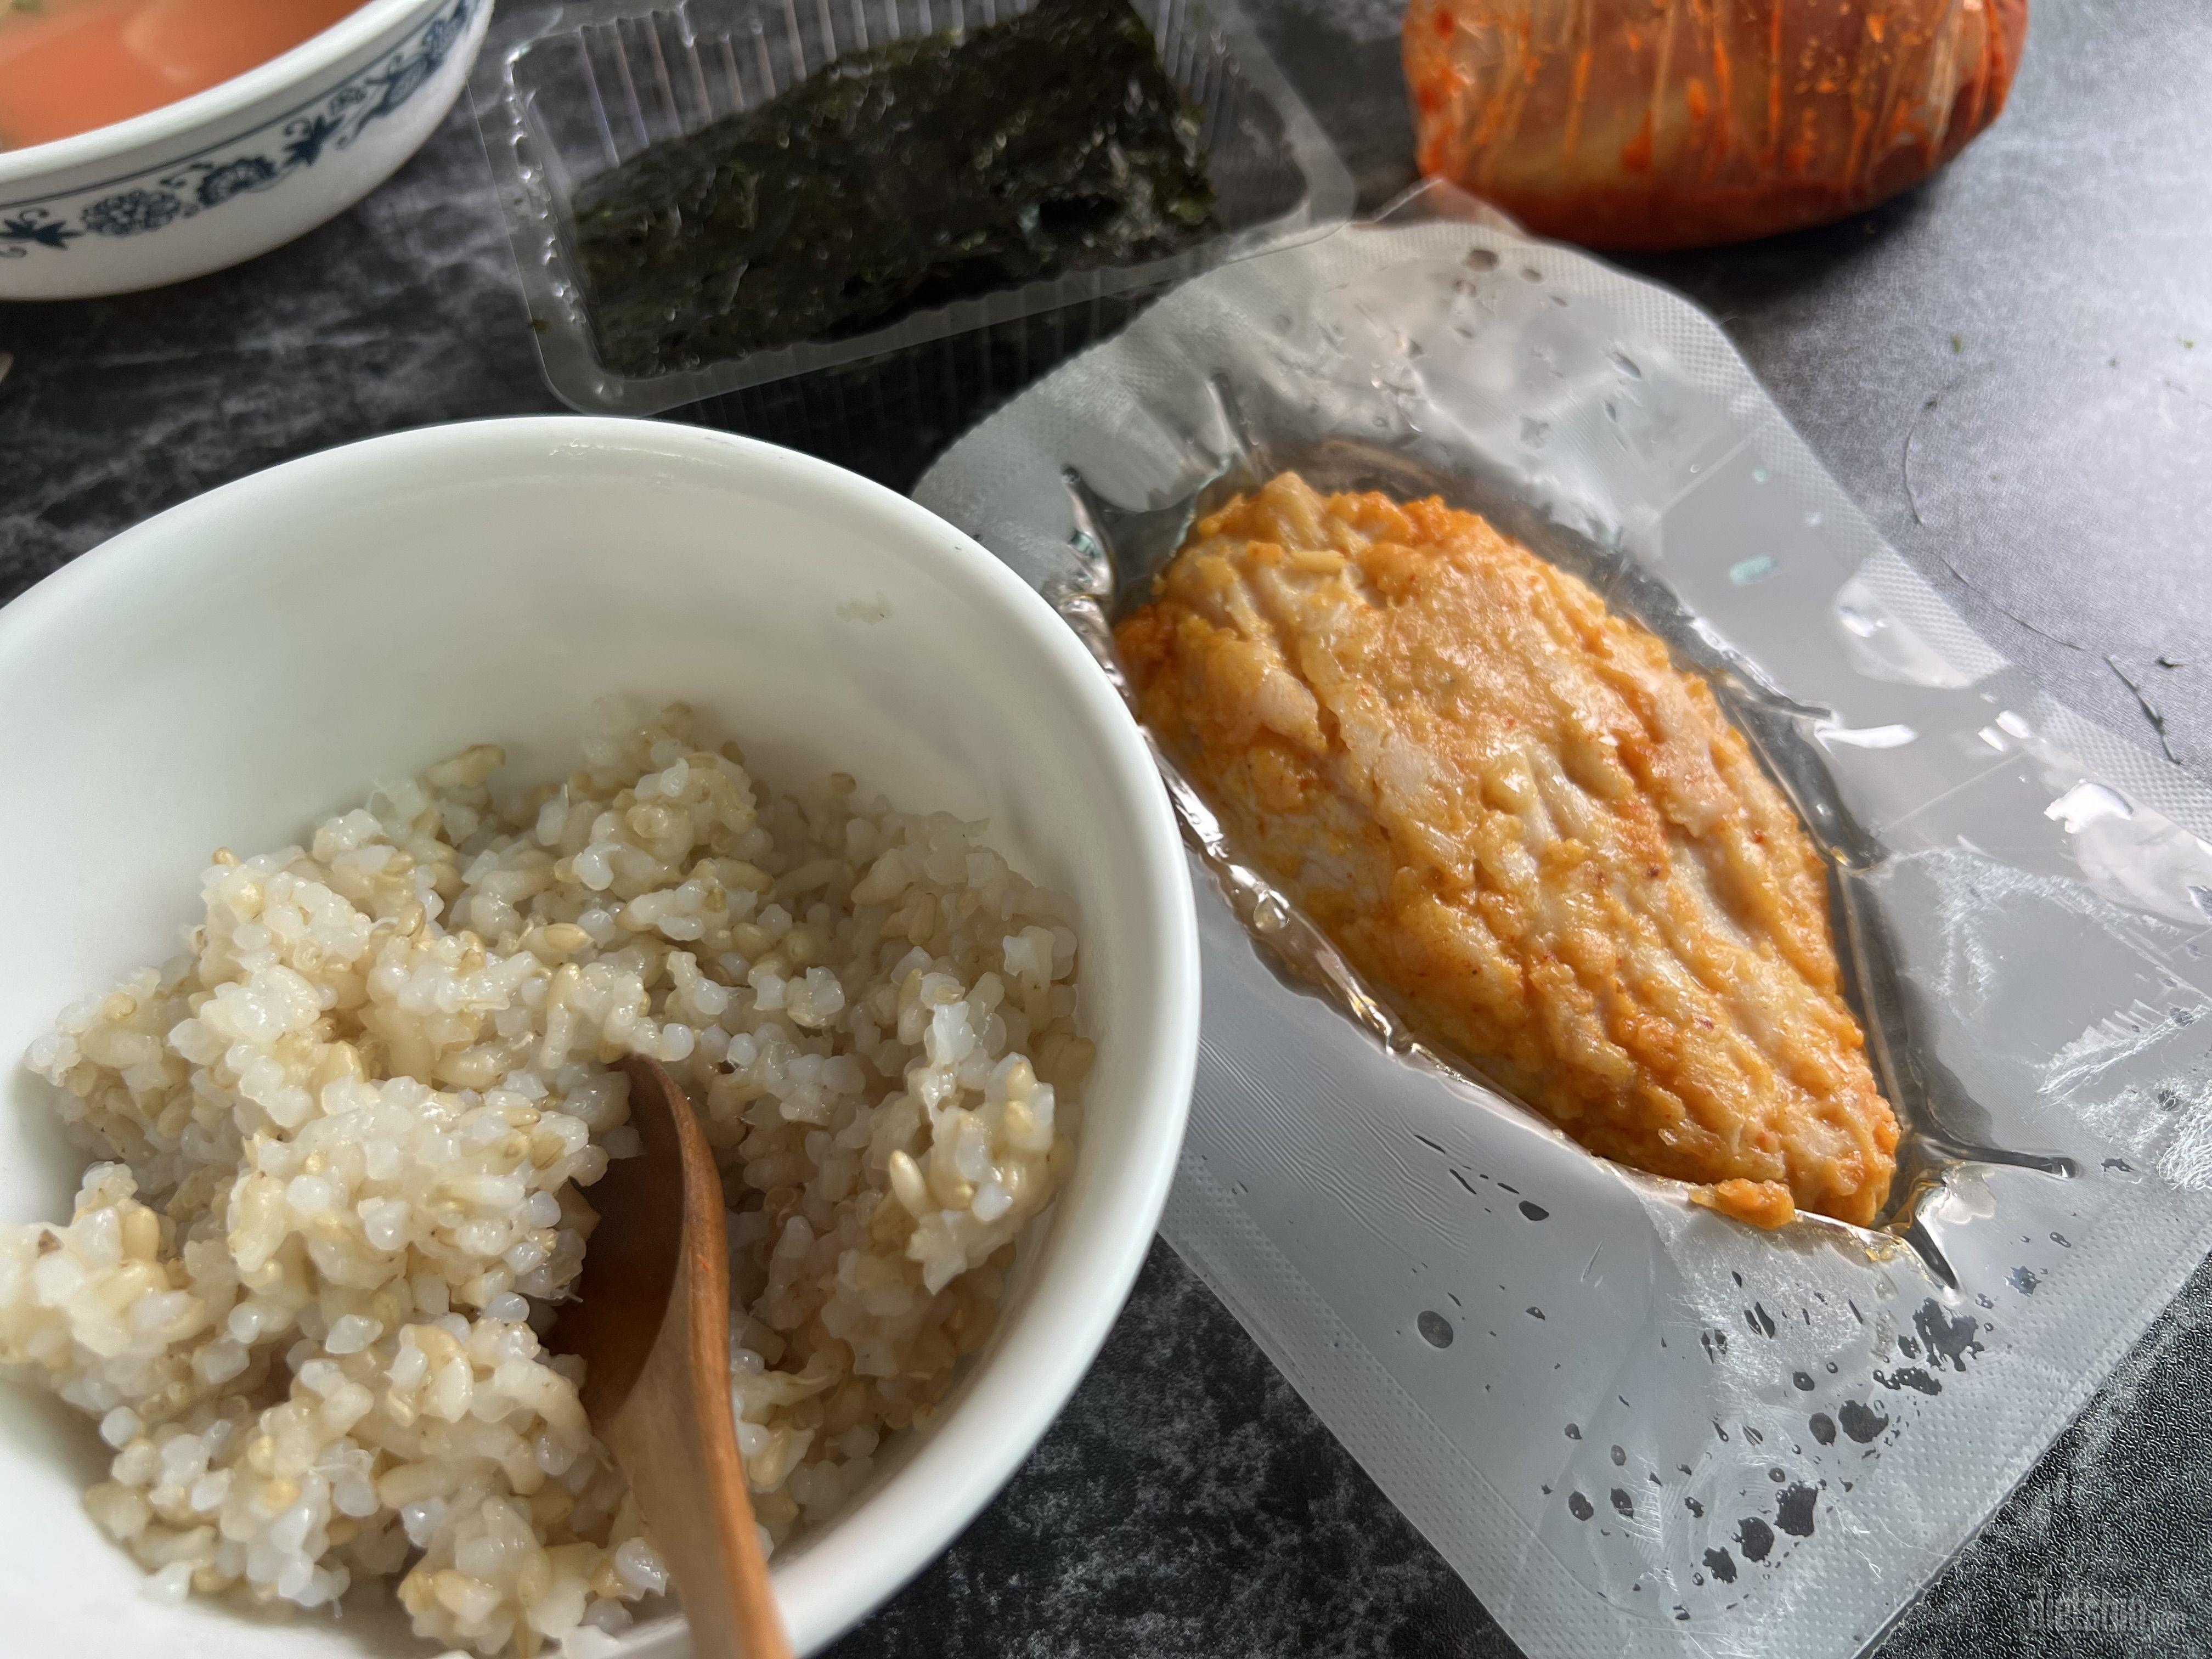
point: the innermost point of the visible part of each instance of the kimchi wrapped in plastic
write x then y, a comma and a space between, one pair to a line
1668, 124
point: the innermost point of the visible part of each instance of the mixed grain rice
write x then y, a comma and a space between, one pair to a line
347, 1129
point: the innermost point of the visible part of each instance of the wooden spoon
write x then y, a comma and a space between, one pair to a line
651, 1320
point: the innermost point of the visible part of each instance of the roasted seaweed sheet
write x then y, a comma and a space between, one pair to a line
894, 181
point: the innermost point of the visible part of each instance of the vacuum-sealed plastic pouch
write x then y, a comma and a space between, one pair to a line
1630, 1423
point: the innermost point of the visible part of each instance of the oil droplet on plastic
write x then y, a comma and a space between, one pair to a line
1793, 1510
1861, 1421
1270, 914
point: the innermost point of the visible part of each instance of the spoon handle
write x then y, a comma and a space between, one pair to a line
676, 1439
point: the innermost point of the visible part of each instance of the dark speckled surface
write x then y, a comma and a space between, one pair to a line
2052, 295
1185, 1503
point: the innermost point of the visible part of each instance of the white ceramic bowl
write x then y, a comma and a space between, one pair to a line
224, 673
233, 171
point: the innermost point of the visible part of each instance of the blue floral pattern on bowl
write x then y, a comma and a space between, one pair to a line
332, 121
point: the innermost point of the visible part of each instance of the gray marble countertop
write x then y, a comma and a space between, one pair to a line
2011, 369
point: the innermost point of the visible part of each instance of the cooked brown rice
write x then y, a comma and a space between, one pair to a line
347, 1128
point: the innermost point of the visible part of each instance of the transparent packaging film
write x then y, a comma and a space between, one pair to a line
1632, 1425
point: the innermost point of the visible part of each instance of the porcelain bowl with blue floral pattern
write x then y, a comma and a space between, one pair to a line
240, 168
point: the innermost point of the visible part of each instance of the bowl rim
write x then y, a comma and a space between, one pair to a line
824, 1592
168, 122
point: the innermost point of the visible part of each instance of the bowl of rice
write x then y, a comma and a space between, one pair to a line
365, 813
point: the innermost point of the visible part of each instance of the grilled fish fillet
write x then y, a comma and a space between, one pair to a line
1519, 821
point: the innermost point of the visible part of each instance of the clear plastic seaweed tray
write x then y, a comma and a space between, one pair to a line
564, 91
1633, 1425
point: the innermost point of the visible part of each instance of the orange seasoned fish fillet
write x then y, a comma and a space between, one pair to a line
1519, 821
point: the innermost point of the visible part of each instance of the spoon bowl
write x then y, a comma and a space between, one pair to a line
650, 1322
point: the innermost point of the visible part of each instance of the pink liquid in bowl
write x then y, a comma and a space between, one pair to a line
68, 66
